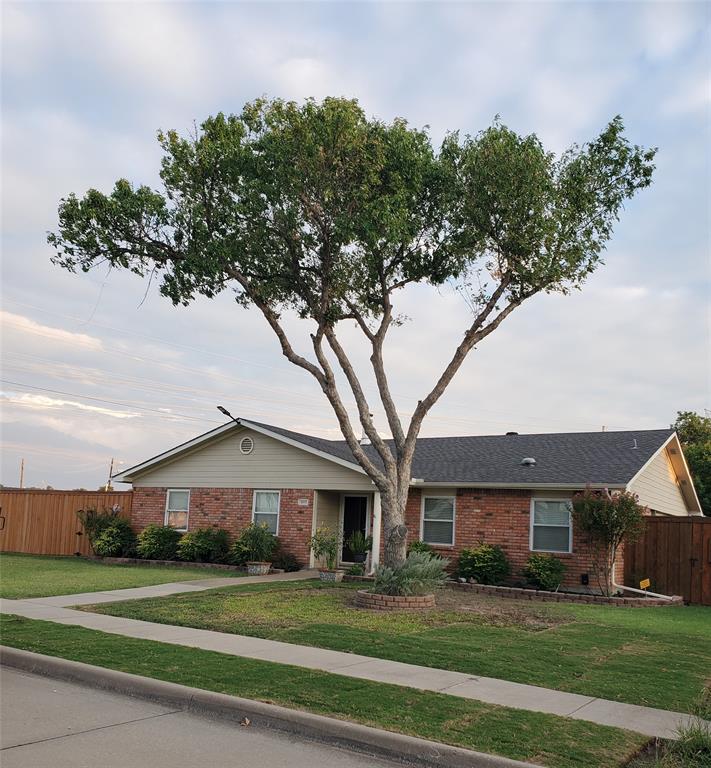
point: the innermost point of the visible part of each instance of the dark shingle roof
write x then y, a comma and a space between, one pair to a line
569, 458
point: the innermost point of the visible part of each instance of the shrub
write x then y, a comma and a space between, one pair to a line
285, 561
95, 522
325, 544
158, 542
116, 540
420, 574
486, 563
357, 569
204, 545
238, 554
419, 546
545, 571
359, 543
256, 543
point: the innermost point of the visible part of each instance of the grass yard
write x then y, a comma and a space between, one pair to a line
658, 657
542, 739
41, 576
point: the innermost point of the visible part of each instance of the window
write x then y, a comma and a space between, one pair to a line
551, 528
265, 509
438, 520
177, 505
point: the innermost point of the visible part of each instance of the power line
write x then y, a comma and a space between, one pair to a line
102, 400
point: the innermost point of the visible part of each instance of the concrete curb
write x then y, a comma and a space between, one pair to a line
397, 747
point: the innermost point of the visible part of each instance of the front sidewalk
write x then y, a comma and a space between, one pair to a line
646, 720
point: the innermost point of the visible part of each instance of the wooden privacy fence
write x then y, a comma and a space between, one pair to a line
45, 522
675, 554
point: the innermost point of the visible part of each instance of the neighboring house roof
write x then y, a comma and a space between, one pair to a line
563, 460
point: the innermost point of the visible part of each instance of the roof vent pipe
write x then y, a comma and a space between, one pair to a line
528, 462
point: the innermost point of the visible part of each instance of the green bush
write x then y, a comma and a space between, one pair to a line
486, 563
325, 545
158, 542
419, 546
116, 540
544, 571
420, 574
238, 554
204, 545
357, 569
285, 561
256, 543
95, 522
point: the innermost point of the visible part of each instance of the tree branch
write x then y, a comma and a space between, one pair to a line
363, 408
474, 334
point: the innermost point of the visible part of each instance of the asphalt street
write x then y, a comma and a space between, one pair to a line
53, 724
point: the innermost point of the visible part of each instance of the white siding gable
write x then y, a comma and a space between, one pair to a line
271, 464
658, 489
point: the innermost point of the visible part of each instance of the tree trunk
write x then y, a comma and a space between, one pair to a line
394, 528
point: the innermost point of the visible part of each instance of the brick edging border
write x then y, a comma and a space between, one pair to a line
376, 602
176, 563
540, 595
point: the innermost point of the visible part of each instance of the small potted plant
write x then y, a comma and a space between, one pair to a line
324, 544
259, 543
359, 545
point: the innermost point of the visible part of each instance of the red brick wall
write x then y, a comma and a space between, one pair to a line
231, 509
495, 516
503, 517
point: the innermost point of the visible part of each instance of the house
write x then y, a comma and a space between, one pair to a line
510, 490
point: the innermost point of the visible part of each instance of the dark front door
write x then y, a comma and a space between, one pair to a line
355, 511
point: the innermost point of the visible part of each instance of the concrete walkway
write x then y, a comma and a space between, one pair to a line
646, 720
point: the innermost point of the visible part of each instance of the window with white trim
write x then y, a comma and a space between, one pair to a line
265, 509
551, 526
438, 520
177, 505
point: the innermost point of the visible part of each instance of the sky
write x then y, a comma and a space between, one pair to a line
99, 366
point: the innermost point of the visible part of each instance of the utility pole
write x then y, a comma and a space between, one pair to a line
22, 473
111, 471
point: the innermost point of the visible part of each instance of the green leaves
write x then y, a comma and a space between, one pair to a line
317, 208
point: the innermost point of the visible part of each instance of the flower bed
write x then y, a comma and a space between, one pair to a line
519, 593
375, 602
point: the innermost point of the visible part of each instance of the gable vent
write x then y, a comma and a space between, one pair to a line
246, 445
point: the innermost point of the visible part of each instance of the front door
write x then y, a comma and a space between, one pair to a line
355, 515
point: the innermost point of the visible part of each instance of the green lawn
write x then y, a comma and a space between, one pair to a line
40, 576
659, 657
543, 739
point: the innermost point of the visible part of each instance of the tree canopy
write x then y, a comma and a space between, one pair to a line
316, 209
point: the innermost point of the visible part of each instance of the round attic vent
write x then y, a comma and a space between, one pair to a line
528, 462
246, 445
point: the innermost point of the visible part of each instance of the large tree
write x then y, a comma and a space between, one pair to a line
316, 210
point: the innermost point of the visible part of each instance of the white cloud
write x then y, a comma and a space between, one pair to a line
43, 403
24, 325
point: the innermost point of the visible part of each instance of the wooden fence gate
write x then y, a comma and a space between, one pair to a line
45, 522
675, 553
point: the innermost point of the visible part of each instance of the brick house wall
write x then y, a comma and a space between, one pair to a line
494, 516
231, 509
503, 517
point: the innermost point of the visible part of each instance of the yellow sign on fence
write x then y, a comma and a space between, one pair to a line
645, 584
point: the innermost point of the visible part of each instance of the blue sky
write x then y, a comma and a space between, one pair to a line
94, 366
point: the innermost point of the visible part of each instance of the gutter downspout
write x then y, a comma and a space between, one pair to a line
633, 589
